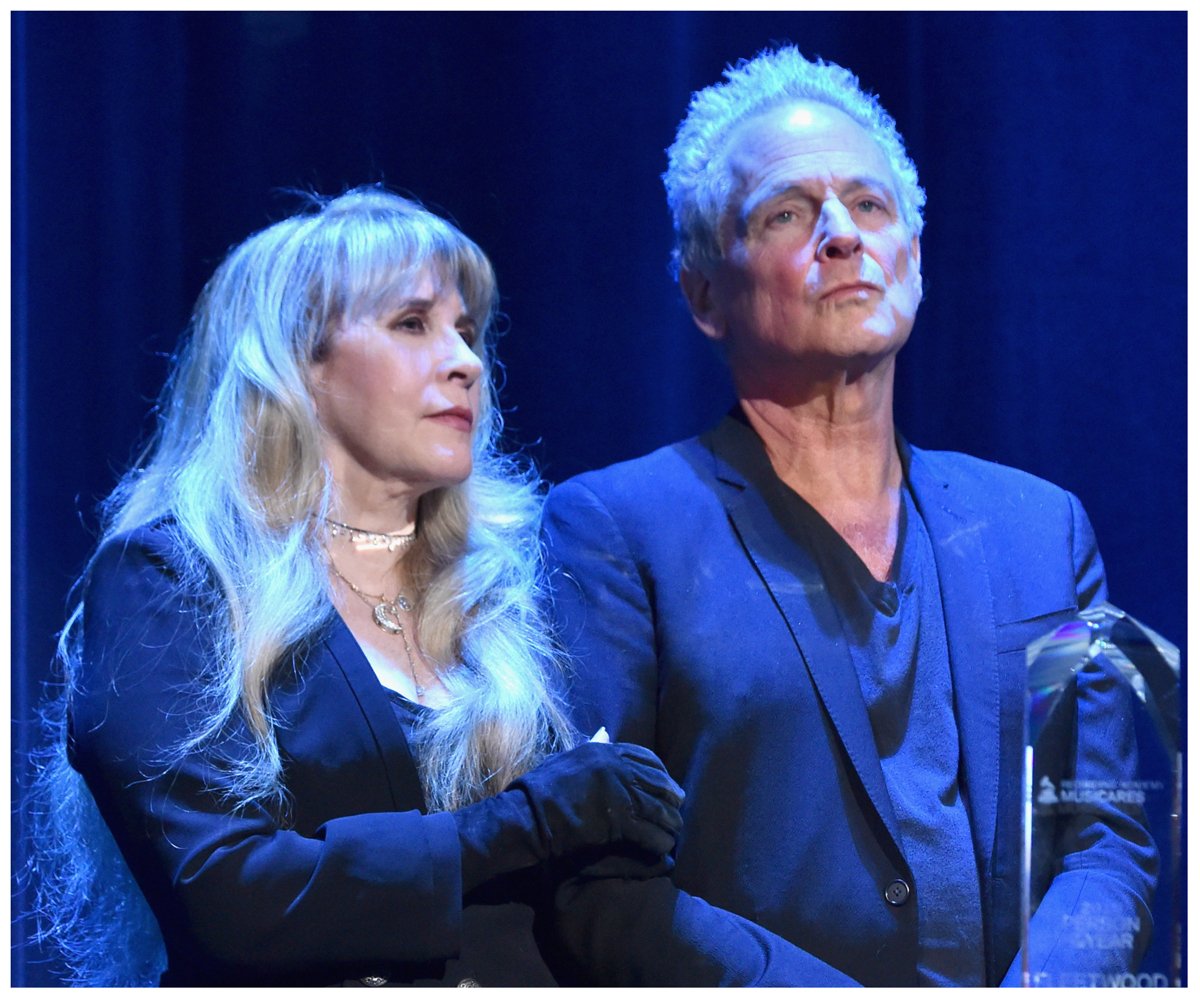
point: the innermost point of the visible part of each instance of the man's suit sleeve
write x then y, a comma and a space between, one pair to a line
1091, 587
1108, 862
246, 890
630, 932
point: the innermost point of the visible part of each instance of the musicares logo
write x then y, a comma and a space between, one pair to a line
1084, 791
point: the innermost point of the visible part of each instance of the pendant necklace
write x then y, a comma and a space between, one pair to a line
387, 617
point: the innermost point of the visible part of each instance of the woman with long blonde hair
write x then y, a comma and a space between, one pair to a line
309, 730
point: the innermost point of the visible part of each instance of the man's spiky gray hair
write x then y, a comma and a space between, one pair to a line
697, 179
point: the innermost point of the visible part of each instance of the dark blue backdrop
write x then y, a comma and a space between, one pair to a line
1052, 146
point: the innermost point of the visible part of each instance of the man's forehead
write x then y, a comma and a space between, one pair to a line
801, 127
783, 145
800, 116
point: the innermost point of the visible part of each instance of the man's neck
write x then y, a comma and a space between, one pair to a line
836, 447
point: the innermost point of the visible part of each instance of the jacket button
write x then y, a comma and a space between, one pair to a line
468, 982
897, 893
373, 981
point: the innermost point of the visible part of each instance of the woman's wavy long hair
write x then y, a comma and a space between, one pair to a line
236, 467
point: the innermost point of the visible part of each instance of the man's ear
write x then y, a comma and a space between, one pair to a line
697, 289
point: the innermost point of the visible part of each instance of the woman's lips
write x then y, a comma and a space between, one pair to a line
457, 417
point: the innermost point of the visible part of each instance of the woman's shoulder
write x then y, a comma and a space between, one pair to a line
157, 540
145, 638
143, 567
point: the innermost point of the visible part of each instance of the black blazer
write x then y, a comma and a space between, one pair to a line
702, 629
350, 879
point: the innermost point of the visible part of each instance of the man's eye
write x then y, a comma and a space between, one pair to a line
783, 217
869, 205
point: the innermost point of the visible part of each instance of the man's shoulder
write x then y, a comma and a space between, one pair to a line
670, 470
982, 482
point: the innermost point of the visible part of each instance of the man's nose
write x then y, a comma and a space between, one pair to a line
839, 235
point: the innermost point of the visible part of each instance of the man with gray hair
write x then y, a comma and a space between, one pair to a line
818, 627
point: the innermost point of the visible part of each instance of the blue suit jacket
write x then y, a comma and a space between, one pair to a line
701, 628
350, 879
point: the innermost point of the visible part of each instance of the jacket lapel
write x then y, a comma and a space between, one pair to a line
754, 497
380, 718
956, 533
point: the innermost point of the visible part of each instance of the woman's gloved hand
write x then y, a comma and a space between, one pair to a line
574, 805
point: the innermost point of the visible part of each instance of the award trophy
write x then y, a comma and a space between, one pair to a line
1100, 893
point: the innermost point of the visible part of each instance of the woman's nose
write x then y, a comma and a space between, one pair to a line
461, 362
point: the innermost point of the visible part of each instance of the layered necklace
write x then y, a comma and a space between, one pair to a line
385, 612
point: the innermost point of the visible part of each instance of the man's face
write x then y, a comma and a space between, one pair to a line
819, 266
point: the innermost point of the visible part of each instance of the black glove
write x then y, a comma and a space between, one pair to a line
573, 806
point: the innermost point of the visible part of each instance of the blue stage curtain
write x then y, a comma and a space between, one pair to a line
1052, 146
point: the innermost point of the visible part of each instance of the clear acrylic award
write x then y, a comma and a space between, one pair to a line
1101, 896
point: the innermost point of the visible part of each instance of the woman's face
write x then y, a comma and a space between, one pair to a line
398, 397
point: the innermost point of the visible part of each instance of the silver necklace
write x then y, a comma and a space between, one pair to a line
391, 541
387, 617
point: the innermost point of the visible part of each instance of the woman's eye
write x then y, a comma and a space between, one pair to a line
410, 323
